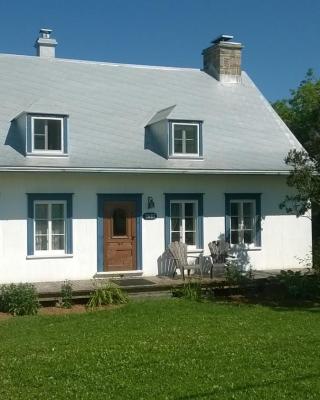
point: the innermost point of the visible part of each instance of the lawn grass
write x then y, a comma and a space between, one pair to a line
163, 349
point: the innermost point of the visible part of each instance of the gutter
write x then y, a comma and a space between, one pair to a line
145, 171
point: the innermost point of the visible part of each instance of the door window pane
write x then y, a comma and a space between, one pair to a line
119, 222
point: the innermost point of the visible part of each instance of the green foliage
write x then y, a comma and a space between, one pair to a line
20, 299
107, 294
301, 112
299, 286
190, 290
66, 294
235, 275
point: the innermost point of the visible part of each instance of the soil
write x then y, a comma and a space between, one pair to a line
75, 309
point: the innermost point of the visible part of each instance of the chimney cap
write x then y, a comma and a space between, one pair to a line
222, 38
45, 33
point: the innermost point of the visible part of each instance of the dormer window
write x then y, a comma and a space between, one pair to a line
185, 139
47, 133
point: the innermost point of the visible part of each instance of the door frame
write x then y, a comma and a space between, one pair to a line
102, 197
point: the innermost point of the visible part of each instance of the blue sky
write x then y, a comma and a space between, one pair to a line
281, 38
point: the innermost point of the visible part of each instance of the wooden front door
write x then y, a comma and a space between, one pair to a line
119, 235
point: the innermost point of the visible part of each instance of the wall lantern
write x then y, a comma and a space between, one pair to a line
150, 202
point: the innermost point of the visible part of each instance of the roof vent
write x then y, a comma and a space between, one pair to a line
45, 45
222, 60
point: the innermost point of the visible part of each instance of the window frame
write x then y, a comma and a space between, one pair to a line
31, 151
50, 234
183, 230
188, 198
171, 152
46, 134
184, 140
253, 198
46, 198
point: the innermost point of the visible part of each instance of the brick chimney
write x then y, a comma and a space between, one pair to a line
222, 60
45, 45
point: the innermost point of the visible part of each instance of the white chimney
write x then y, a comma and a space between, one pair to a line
45, 45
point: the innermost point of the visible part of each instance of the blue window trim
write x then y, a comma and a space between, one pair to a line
184, 196
243, 196
64, 133
137, 198
174, 121
32, 197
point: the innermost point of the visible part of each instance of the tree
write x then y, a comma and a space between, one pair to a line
301, 112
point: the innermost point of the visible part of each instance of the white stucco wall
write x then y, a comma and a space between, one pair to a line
284, 237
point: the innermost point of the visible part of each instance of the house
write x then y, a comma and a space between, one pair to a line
102, 165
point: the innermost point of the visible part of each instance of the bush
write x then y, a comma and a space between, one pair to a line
299, 286
190, 290
20, 299
107, 294
235, 275
66, 294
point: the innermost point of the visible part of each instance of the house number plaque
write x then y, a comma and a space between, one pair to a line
150, 215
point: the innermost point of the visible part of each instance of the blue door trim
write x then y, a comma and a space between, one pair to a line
184, 196
102, 197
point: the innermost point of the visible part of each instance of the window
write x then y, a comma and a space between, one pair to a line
183, 222
185, 139
184, 219
49, 224
119, 222
243, 219
46, 135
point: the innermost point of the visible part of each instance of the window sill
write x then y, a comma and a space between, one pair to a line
47, 154
253, 248
191, 251
185, 157
48, 256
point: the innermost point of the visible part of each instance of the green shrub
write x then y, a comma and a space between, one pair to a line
235, 275
66, 294
190, 290
107, 294
298, 285
20, 299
